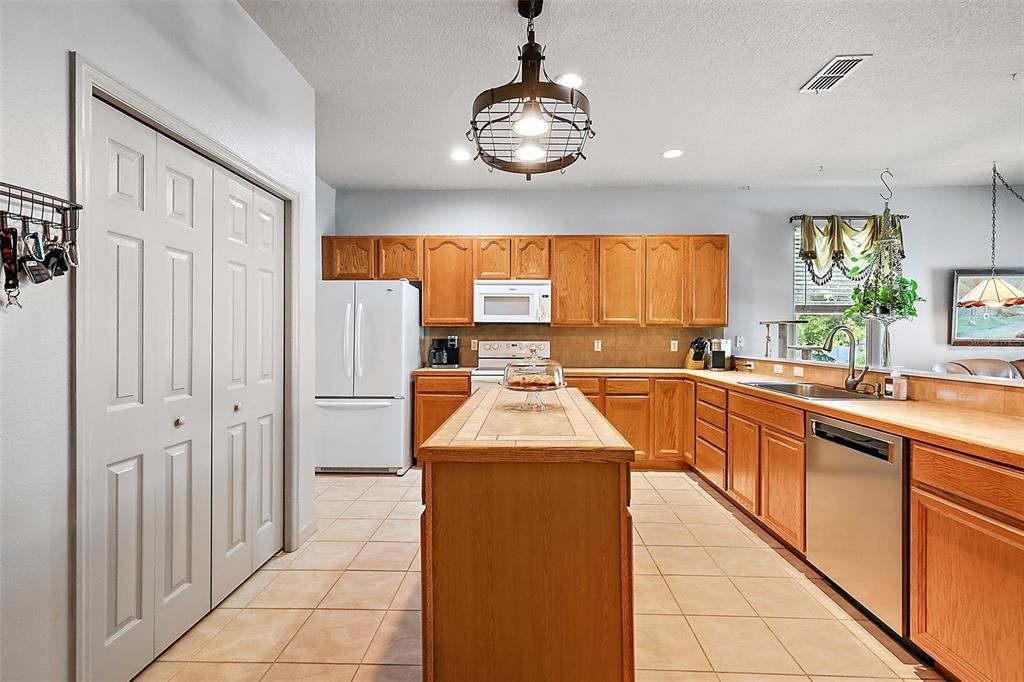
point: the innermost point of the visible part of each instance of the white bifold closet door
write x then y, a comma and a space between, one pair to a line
147, 412
248, 387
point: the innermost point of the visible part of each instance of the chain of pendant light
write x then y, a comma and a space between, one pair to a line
997, 174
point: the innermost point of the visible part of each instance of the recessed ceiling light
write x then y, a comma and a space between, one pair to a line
570, 80
461, 155
672, 153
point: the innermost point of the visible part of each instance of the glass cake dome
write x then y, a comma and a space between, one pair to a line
533, 374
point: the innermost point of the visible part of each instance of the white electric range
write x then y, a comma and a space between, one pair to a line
492, 356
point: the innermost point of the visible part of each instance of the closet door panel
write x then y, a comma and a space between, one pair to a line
119, 446
181, 344
233, 327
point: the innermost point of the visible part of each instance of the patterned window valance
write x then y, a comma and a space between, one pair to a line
837, 243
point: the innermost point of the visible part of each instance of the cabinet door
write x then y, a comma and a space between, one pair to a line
663, 280
689, 421
531, 258
573, 281
966, 589
707, 281
493, 257
432, 409
347, 257
743, 462
631, 415
399, 257
447, 281
621, 281
668, 419
782, 486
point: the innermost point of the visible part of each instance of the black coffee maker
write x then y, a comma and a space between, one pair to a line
444, 353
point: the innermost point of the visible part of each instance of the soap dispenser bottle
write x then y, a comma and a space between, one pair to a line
895, 385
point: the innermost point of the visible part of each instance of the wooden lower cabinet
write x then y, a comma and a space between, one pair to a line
783, 491
668, 422
689, 427
631, 416
710, 461
744, 462
437, 398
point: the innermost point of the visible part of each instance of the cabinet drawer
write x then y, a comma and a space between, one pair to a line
990, 485
711, 394
711, 414
711, 434
442, 384
627, 386
778, 416
711, 462
588, 385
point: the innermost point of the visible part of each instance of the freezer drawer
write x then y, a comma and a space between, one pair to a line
364, 434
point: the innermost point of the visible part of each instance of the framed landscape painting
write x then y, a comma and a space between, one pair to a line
981, 325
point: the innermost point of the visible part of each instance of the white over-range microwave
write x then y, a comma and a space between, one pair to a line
519, 300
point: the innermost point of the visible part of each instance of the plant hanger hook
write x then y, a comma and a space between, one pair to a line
881, 177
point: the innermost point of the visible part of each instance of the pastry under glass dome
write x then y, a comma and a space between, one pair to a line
533, 375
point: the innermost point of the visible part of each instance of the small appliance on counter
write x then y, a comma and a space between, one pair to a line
721, 355
444, 353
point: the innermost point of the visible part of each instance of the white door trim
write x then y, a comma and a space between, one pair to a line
89, 82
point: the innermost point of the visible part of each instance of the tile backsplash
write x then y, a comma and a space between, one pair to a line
574, 346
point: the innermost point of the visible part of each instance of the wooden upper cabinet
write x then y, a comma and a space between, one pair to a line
743, 462
707, 281
493, 257
348, 258
783, 486
399, 257
448, 281
531, 258
621, 281
663, 280
573, 281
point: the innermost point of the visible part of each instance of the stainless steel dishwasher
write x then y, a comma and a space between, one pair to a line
856, 514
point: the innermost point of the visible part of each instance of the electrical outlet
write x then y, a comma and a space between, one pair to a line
473, 344
798, 371
740, 342
778, 369
673, 346
597, 345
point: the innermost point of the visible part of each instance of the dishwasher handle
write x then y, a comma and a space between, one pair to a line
862, 443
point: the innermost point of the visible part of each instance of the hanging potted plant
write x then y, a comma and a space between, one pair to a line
886, 296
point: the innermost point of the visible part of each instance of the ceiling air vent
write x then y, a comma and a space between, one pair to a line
836, 70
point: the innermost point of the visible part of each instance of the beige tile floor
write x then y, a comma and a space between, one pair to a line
716, 599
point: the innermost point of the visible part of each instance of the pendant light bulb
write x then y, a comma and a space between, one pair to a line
531, 122
529, 151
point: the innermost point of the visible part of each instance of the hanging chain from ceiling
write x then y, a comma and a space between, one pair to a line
997, 174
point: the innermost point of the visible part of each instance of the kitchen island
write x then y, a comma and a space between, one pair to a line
527, 543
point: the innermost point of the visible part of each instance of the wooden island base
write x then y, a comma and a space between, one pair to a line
527, 544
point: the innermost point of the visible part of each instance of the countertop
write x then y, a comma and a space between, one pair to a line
995, 437
490, 427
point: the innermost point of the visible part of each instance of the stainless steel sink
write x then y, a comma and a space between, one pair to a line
809, 391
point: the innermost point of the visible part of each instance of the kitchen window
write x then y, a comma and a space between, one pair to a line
822, 305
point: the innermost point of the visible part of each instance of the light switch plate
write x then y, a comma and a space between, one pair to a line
740, 342
597, 345
778, 369
798, 371
673, 345
473, 344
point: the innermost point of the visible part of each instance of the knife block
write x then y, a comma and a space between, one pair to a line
690, 363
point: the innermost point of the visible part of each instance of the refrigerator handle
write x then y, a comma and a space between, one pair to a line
347, 351
359, 340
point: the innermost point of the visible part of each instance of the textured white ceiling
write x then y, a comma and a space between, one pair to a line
718, 78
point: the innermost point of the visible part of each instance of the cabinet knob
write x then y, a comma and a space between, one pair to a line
237, 407
179, 422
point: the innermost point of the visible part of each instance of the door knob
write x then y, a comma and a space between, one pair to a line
237, 407
179, 422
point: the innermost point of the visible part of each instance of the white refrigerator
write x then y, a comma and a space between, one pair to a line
367, 345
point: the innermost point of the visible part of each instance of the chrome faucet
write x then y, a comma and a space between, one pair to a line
853, 380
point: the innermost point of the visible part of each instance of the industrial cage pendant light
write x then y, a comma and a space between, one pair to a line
533, 125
